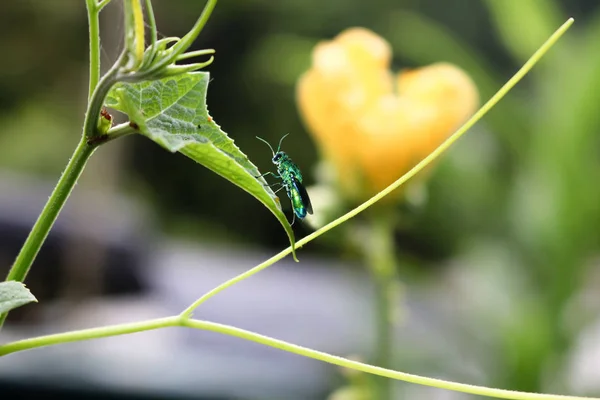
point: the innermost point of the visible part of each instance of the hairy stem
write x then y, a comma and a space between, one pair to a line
97, 100
49, 213
93, 11
153, 35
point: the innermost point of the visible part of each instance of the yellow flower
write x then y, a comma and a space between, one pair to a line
370, 125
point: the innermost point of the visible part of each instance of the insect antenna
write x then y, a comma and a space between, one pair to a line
263, 140
281, 140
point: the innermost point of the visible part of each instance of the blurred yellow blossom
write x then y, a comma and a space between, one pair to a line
373, 126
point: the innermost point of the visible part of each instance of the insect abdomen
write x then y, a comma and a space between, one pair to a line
297, 204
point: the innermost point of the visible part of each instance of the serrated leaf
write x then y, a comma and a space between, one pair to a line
14, 294
172, 112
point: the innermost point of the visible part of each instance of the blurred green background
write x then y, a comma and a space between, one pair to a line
508, 233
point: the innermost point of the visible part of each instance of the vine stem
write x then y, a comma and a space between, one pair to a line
87, 334
153, 35
114, 330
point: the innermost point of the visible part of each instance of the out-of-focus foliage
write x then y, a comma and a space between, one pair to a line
42, 83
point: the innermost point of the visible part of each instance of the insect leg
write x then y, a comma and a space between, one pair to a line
267, 173
273, 184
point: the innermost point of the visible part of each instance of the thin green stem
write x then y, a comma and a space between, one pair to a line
103, 4
380, 257
122, 329
124, 129
93, 10
415, 170
153, 49
87, 334
182, 69
40, 230
120, 130
189, 38
196, 53
97, 100
152, 23
371, 369
42, 227
187, 313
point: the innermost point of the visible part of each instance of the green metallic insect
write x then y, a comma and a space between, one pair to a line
291, 180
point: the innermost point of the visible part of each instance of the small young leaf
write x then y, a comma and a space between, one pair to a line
172, 112
14, 294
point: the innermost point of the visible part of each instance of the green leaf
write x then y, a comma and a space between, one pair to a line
14, 294
172, 112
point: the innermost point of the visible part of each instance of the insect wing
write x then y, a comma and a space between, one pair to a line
303, 194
